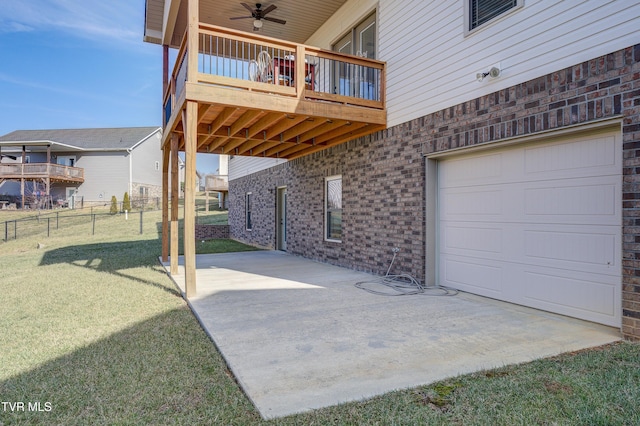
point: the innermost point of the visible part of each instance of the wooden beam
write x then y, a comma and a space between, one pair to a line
339, 132
281, 147
286, 104
285, 124
175, 196
289, 151
301, 128
165, 204
216, 124
190, 117
264, 122
258, 127
327, 126
360, 130
246, 118
215, 144
259, 151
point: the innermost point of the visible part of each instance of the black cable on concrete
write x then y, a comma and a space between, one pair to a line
402, 284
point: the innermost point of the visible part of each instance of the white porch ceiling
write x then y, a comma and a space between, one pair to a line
303, 17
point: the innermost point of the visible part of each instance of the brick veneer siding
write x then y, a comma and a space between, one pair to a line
382, 180
210, 232
383, 174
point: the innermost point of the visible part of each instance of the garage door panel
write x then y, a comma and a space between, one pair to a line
583, 248
583, 200
474, 203
491, 242
585, 157
474, 171
543, 229
579, 295
476, 277
473, 238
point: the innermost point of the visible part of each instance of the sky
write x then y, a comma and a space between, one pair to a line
67, 64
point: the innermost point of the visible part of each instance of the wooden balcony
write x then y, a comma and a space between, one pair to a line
259, 96
33, 171
219, 183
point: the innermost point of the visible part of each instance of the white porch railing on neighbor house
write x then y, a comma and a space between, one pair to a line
40, 170
218, 183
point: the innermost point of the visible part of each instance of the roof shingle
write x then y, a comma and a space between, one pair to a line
86, 139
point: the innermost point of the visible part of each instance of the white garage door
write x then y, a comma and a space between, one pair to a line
538, 225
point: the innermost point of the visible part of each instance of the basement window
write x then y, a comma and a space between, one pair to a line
248, 201
333, 208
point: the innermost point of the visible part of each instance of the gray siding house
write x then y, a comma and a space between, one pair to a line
91, 165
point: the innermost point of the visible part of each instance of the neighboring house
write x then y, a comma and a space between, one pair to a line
490, 145
91, 165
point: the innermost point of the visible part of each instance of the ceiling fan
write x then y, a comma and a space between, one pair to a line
258, 15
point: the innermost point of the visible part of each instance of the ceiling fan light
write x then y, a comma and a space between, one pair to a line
257, 23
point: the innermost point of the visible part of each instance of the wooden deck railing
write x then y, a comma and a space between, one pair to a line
237, 60
217, 183
40, 170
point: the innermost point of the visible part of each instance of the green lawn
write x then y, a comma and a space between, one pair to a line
96, 333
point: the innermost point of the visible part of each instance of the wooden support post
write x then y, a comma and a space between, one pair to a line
193, 25
165, 68
175, 185
48, 180
190, 118
206, 199
24, 157
165, 203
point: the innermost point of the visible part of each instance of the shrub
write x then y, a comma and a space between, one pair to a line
126, 203
114, 205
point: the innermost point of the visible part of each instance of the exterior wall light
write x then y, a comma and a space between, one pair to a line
493, 73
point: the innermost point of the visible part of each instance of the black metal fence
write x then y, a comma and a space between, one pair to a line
45, 224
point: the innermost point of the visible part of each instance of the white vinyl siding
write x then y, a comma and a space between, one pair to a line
537, 225
146, 160
431, 65
241, 166
105, 174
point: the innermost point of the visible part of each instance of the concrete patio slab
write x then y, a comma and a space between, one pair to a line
298, 335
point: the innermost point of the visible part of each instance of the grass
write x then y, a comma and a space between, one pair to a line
92, 326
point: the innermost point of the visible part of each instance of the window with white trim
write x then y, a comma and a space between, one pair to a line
248, 201
479, 12
333, 208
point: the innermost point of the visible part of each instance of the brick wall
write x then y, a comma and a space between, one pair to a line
383, 174
382, 179
210, 232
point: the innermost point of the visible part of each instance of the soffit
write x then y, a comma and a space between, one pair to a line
303, 17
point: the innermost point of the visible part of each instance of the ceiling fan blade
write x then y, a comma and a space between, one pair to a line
279, 21
241, 17
249, 8
271, 8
